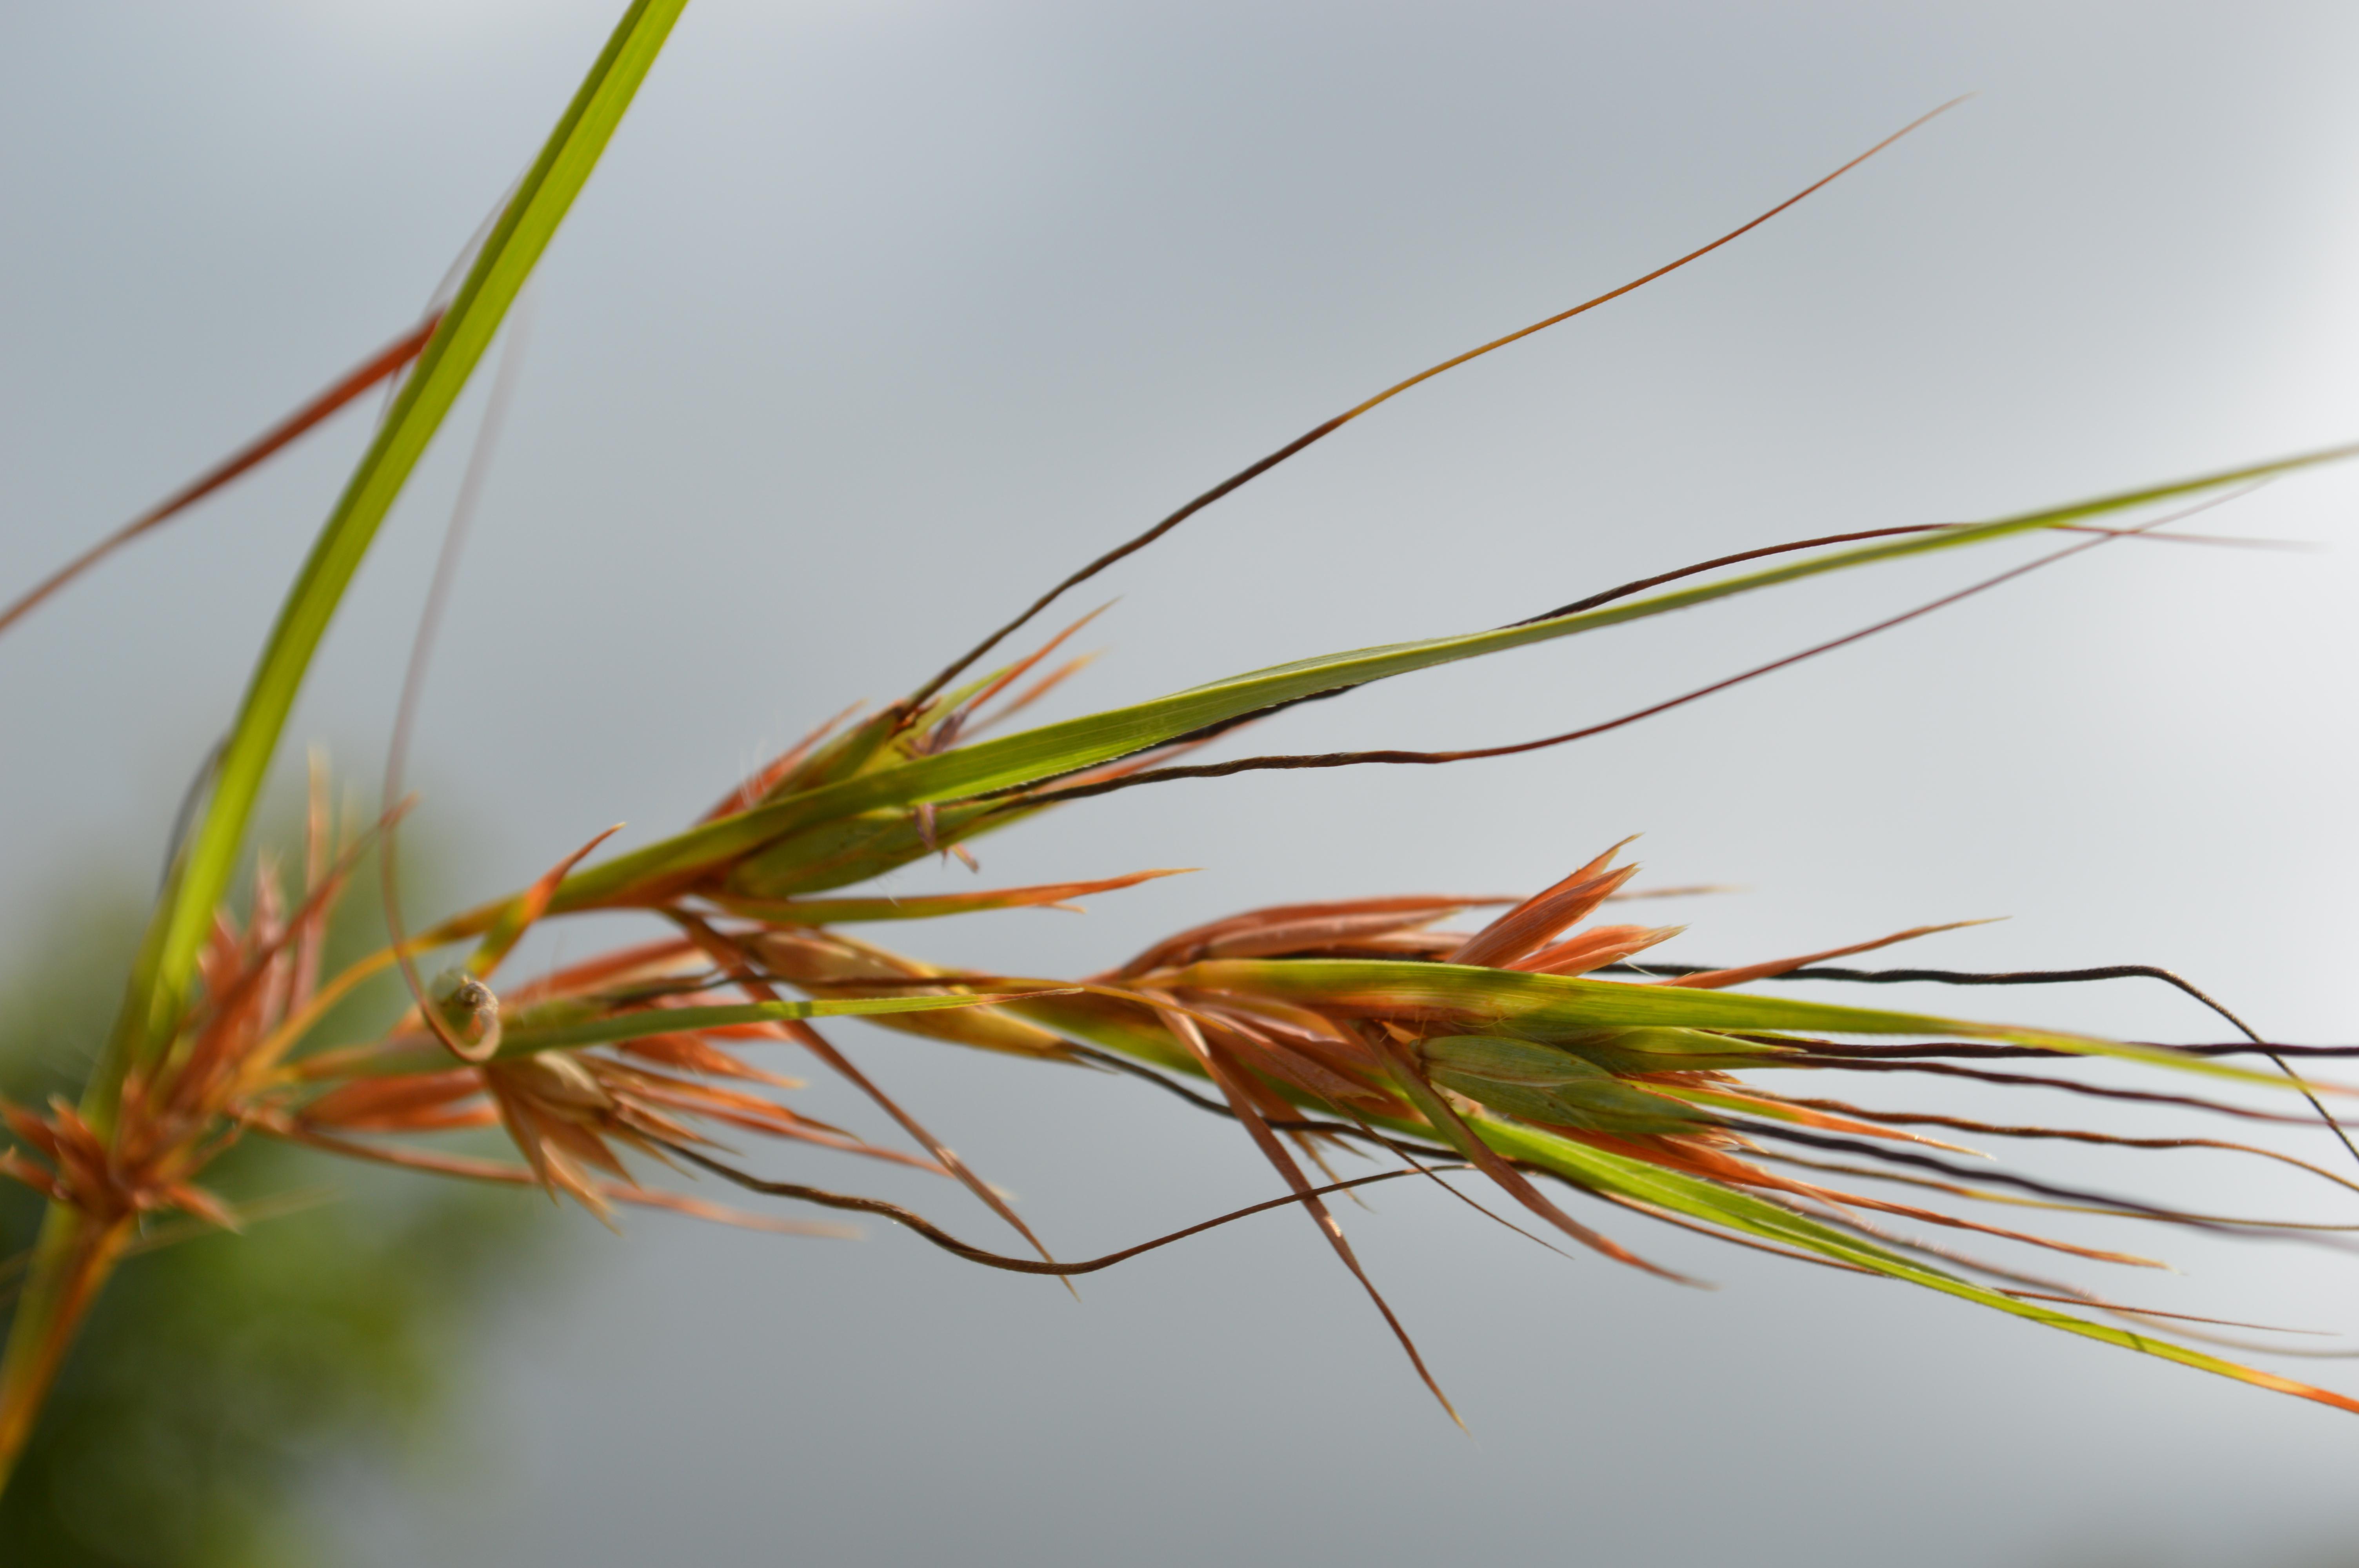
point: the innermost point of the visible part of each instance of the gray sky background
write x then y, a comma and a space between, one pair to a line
880, 317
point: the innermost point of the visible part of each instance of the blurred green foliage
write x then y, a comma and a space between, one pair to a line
222, 1375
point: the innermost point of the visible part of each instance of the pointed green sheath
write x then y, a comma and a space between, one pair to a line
1031, 756
1538, 1083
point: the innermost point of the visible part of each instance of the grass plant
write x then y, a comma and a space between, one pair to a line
1525, 1045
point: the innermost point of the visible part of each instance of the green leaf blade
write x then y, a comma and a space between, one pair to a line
203, 873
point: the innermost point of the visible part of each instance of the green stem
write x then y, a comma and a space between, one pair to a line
70, 1261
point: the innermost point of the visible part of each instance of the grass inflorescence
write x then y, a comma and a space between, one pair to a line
1532, 1046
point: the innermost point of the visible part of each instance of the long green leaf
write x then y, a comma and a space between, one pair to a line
1057, 749
167, 955
1696, 1198
1543, 1006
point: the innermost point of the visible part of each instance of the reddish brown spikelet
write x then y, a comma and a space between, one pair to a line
1245, 1102
528, 906
1593, 949
690, 1053
1544, 913
414, 1103
1025, 665
1383, 915
1034, 692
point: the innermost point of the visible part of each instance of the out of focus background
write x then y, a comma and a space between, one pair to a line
877, 319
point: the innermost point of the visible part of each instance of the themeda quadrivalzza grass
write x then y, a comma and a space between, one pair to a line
1532, 1043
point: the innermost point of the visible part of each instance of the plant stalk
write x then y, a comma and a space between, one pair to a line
73, 1257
